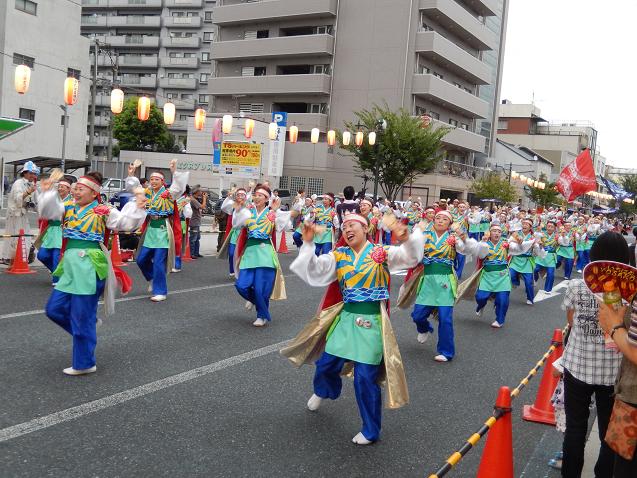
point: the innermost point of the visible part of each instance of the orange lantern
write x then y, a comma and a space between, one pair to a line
359, 138
143, 108
314, 136
273, 129
248, 126
22, 78
347, 138
226, 124
294, 134
200, 118
71, 87
117, 100
331, 137
169, 113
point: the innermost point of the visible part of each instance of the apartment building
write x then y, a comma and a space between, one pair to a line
24, 26
161, 48
321, 60
558, 141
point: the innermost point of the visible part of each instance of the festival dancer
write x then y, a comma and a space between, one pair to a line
437, 290
306, 214
158, 244
581, 241
185, 213
324, 216
49, 241
85, 270
428, 218
524, 264
259, 276
474, 218
495, 278
549, 261
352, 326
233, 236
459, 214
565, 249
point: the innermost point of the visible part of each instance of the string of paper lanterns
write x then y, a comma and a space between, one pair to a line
528, 181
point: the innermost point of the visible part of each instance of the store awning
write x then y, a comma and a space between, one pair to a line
9, 126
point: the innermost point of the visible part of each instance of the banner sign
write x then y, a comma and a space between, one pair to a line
241, 159
277, 146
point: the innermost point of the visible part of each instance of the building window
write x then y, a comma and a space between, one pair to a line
19, 59
263, 33
26, 6
434, 115
73, 73
297, 183
503, 124
314, 186
203, 77
320, 108
464, 126
183, 117
251, 108
420, 111
438, 75
453, 122
27, 114
208, 36
205, 57
284, 181
171, 96
207, 16
204, 99
186, 96
321, 69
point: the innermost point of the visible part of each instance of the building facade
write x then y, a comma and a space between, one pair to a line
159, 48
321, 60
22, 21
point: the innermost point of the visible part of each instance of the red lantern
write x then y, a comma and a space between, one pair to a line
294, 134
22, 78
359, 138
200, 118
249, 128
71, 87
143, 108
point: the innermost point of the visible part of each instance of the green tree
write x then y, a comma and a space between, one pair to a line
405, 149
629, 183
544, 197
494, 186
133, 134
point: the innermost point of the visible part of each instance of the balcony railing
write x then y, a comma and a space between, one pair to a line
460, 170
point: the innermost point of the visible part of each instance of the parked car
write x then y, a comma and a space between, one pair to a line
111, 186
286, 199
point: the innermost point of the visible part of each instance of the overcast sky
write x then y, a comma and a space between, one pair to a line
578, 58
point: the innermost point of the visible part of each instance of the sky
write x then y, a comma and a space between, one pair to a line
577, 59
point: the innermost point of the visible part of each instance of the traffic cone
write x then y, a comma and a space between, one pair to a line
283, 247
497, 457
116, 253
542, 410
186, 257
20, 263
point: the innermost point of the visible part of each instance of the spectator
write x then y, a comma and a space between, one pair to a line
348, 203
197, 203
589, 367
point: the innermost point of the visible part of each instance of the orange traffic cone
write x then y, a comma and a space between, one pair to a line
283, 247
542, 410
116, 253
497, 457
186, 257
20, 263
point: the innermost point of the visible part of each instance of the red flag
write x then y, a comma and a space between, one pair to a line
578, 177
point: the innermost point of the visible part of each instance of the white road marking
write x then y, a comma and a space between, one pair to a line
72, 413
543, 295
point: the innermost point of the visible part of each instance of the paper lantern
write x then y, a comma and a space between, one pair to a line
522, 178
226, 124
331, 137
514, 175
359, 138
169, 113
347, 138
314, 137
529, 181
143, 108
294, 134
372, 138
273, 129
200, 118
249, 128
117, 101
535, 183
71, 87
22, 78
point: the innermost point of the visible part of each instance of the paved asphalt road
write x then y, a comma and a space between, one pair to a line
189, 387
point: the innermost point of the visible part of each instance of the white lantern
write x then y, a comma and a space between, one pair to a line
22, 78
169, 113
226, 124
314, 137
372, 138
347, 138
117, 101
273, 129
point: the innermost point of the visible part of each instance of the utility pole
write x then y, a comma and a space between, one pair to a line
91, 120
510, 171
109, 151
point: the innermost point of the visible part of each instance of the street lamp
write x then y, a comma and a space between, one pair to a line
381, 126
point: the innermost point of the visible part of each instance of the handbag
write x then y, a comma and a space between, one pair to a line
621, 435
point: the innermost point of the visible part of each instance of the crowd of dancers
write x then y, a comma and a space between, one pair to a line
350, 248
